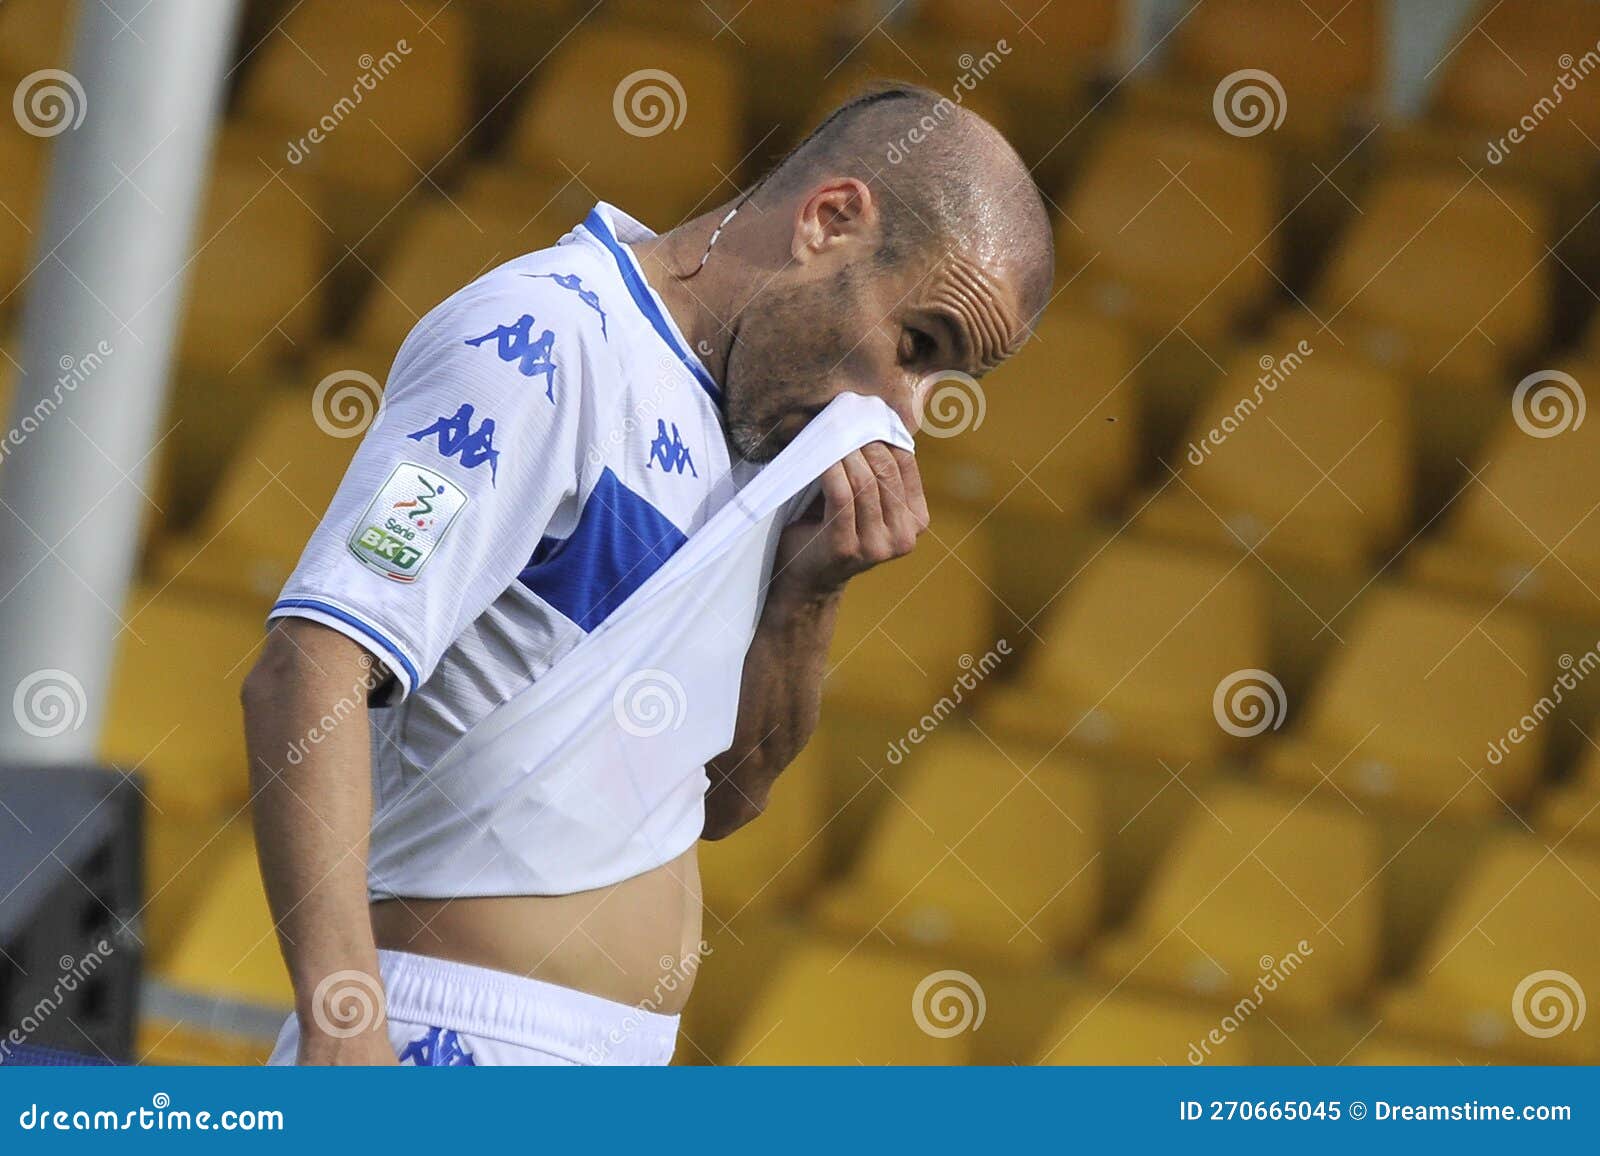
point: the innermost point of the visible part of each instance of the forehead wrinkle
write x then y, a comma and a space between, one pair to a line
962, 288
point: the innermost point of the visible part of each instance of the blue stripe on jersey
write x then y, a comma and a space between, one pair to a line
365, 628
640, 292
620, 540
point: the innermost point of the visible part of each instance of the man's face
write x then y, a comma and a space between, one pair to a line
856, 325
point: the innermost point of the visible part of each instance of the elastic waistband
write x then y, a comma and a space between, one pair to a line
577, 1026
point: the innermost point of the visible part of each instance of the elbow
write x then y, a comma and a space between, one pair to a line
727, 810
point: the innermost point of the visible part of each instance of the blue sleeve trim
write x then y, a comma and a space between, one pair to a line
365, 628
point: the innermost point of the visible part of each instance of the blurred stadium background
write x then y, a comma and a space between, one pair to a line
1235, 709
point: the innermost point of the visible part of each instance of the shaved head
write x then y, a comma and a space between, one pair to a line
947, 182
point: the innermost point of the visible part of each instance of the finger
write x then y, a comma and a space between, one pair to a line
911, 486
837, 495
899, 526
868, 503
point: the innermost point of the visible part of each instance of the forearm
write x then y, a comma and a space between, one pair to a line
312, 812
780, 700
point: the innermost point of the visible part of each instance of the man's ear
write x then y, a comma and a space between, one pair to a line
839, 211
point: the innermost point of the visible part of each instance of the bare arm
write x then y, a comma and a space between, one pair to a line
312, 809
872, 511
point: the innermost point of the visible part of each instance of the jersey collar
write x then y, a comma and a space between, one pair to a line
615, 230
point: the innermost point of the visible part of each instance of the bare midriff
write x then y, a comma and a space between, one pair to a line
636, 942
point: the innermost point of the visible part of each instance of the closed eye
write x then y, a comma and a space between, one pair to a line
918, 347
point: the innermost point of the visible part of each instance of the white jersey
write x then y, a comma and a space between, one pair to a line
547, 441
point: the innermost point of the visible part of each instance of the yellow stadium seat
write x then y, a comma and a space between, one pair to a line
1151, 190
22, 164
985, 853
253, 292
1389, 1051
1133, 655
497, 215
829, 1003
613, 104
282, 476
774, 860
1264, 899
1570, 814
173, 711
1415, 709
1441, 278
741, 953
384, 86
1499, 75
908, 631
229, 948
181, 855
1125, 1029
1254, 463
1523, 530
1088, 29
1512, 957
1324, 57
35, 34
1052, 432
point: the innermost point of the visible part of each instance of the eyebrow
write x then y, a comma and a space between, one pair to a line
955, 332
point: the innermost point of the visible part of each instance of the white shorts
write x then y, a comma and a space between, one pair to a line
444, 1014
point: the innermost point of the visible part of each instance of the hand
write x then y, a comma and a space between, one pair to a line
872, 510
369, 1049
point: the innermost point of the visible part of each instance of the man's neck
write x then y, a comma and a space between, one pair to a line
693, 295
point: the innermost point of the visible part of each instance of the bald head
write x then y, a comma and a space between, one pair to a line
946, 183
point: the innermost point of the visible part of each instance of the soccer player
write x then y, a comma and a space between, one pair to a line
550, 435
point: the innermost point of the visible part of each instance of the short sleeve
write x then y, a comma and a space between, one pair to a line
474, 448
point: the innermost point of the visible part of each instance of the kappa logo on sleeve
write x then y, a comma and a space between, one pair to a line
516, 343
406, 522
